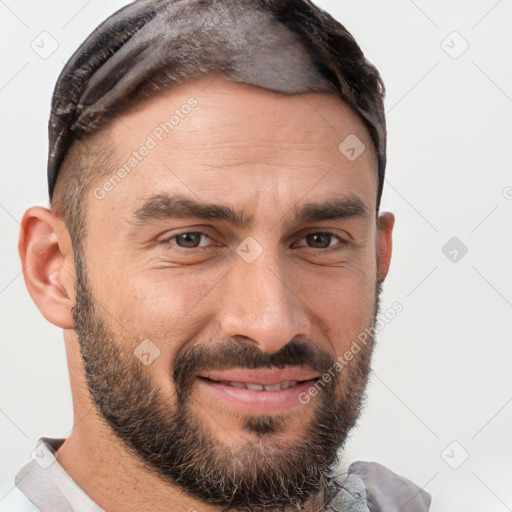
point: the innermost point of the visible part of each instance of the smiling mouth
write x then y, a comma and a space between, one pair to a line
256, 391
258, 387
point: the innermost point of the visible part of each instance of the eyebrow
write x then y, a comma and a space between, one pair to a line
168, 206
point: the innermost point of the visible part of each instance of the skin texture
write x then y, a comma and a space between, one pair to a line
259, 152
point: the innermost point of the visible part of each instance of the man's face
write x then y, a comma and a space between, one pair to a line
224, 275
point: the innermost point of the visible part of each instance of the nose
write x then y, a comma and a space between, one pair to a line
260, 306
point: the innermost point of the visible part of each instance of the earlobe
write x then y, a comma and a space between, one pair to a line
47, 262
385, 224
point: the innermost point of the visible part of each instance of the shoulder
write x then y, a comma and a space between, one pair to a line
388, 492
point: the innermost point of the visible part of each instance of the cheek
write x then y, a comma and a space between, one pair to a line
169, 305
172, 309
340, 299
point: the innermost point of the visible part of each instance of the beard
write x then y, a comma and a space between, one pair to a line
166, 437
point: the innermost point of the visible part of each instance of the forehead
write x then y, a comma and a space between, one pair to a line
213, 138
227, 106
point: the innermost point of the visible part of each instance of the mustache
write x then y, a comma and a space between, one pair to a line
205, 357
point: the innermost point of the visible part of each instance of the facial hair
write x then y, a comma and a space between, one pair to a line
170, 440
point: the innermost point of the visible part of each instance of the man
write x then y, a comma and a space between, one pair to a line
213, 252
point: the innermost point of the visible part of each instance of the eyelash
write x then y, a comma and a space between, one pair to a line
341, 242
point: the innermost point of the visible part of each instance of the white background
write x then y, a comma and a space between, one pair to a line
442, 369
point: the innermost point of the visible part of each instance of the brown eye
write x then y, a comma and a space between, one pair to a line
319, 240
189, 240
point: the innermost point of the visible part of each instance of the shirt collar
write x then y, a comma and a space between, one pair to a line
348, 494
47, 485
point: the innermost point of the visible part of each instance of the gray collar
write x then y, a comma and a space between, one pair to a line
47, 485
348, 494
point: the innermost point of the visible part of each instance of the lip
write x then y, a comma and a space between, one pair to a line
214, 386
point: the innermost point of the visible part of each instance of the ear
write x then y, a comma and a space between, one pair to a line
48, 266
385, 223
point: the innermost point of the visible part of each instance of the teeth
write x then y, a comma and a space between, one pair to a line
288, 384
258, 387
275, 386
237, 385
254, 387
